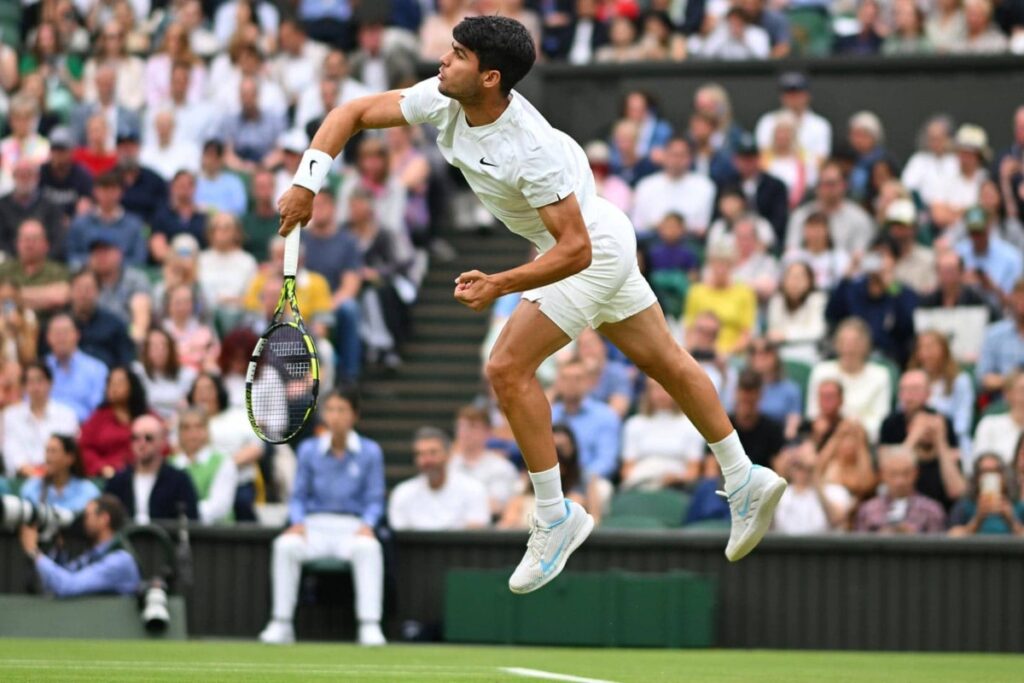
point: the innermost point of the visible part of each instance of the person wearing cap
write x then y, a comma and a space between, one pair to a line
915, 263
178, 216
961, 190
102, 334
765, 194
27, 201
43, 282
850, 227
983, 36
733, 303
761, 436
109, 220
990, 260
216, 188
249, 135
866, 138
676, 189
62, 180
144, 190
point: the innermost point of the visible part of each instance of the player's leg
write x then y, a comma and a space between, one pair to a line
288, 553
527, 339
753, 492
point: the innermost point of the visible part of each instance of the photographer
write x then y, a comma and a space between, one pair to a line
104, 568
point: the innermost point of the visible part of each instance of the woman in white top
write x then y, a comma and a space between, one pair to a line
787, 162
952, 389
934, 165
829, 264
174, 48
796, 314
166, 381
131, 71
960, 192
1000, 433
660, 446
225, 269
867, 387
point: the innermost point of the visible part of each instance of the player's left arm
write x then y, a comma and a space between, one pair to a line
570, 255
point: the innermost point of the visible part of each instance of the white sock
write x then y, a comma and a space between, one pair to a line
547, 488
731, 457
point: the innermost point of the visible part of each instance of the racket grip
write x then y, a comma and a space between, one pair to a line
291, 252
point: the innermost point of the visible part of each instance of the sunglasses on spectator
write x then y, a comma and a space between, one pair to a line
148, 438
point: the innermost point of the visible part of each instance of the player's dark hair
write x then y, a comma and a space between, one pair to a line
499, 43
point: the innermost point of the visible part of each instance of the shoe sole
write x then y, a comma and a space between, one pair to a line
588, 526
762, 519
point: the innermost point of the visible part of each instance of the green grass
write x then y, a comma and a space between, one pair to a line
76, 660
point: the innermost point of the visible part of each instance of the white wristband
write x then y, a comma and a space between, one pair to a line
313, 170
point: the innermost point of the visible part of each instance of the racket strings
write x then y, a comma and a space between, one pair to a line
283, 384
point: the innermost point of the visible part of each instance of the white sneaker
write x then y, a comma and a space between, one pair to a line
370, 635
278, 632
753, 506
549, 547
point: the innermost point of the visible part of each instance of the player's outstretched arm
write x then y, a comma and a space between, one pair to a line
372, 111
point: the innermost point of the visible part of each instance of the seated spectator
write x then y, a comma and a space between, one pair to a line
104, 568
261, 221
780, 397
796, 314
225, 269
123, 290
610, 187
62, 180
106, 438
235, 352
595, 425
850, 227
622, 46
626, 164
440, 498
828, 264
179, 216
436, 30
1000, 206
175, 49
900, 509
144, 190
761, 436
787, 161
216, 188
803, 508
166, 154
336, 88
96, 155
934, 165
26, 201
772, 21
62, 482
213, 473
952, 290
165, 381
23, 143
612, 381
655, 131
982, 37
866, 140
945, 28
708, 159
78, 378
705, 503
29, 424
471, 457
930, 436
988, 506
830, 413
736, 37
676, 189
384, 65
962, 190
109, 222
149, 488
764, 193
951, 390
754, 267
181, 269
1002, 351
250, 133
338, 501
660, 446
993, 262
869, 36
701, 339
886, 307
867, 389
43, 282
670, 263
998, 433
908, 36
19, 327
915, 263
734, 304
197, 344
103, 335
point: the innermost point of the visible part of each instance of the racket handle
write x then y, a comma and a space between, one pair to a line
291, 252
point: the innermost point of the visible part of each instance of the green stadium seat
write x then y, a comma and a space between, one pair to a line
14, 485
894, 373
327, 565
799, 372
708, 525
999, 407
667, 507
811, 30
631, 522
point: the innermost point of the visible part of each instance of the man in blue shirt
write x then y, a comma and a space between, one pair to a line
216, 189
104, 568
110, 221
995, 262
337, 501
78, 379
1002, 351
595, 425
103, 334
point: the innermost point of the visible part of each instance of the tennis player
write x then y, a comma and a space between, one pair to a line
536, 180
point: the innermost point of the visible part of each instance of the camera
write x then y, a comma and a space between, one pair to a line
153, 606
16, 512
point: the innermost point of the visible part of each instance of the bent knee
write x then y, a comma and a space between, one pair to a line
289, 543
364, 545
503, 372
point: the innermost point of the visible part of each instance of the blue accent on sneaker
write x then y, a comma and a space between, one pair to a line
568, 511
750, 474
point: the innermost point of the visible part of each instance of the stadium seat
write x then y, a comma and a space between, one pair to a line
631, 522
667, 507
799, 372
327, 565
708, 525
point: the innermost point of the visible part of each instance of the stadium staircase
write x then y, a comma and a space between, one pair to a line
441, 369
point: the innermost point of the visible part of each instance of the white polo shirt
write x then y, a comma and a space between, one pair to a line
460, 503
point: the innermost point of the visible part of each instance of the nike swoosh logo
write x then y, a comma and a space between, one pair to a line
484, 162
742, 512
546, 567
312, 163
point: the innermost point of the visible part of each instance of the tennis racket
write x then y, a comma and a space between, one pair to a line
283, 378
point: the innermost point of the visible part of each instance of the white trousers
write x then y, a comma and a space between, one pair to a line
328, 535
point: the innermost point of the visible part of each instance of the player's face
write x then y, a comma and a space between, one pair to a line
460, 76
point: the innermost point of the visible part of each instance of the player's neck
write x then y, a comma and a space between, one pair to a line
486, 110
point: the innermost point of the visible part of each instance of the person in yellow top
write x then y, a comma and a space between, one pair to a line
312, 291
734, 304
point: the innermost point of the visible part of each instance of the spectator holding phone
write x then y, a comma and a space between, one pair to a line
988, 508
900, 509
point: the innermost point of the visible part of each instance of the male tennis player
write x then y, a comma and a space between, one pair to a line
536, 180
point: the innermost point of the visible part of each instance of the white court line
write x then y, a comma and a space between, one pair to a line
548, 676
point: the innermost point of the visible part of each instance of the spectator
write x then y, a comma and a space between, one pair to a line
106, 438
708, 160
611, 380
165, 154
30, 423
659, 40
108, 222
1000, 208
780, 397
436, 29
63, 181
197, 344
737, 37
174, 49
761, 436
734, 304
260, 223
440, 498
982, 37
250, 64
311, 291
772, 21
930, 436
213, 474
296, 67
660, 446
900, 509
595, 425
952, 290
144, 190
336, 88
951, 391
19, 328
225, 269
43, 283
165, 381
97, 154
962, 190
712, 100
675, 189
867, 389
992, 261
50, 57
1002, 351
653, 132
870, 32
179, 216
701, 339
705, 503
235, 352
250, 133
102, 334
575, 36
830, 413
850, 227
803, 508
814, 132
915, 263
78, 378
998, 432
946, 27
217, 188
128, 71
622, 46
875, 297
237, 14
149, 488
610, 187
754, 267
908, 35
764, 193
471, 457
62, 482
828, 264
845, 468
988, 506
24, 202
934, 166
337, 503
796, 314
123, 290
866, 139
380, 64
670, 264
626, 164
23, 144
194, 120
104, 568
787, 161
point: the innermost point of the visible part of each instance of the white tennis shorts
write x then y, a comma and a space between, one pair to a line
610, 290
